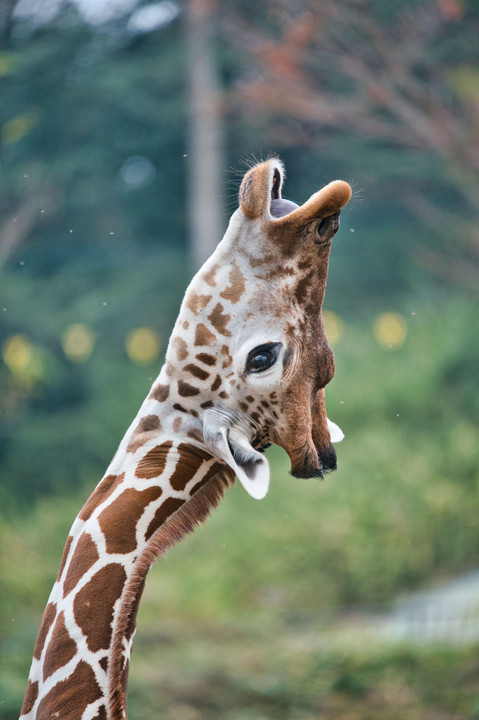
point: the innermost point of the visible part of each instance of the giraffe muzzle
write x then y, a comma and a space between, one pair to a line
316, 464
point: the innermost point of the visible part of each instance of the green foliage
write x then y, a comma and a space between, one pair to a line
286, 672
72, 114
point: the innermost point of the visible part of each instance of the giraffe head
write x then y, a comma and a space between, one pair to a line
249, 359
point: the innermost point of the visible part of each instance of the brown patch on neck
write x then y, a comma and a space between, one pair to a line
65, 556
187, 390
190, 460
47, 620
181, 347
203, 336
214, 469
210, 276
220, 320
160, 393
100, 494
234, 292
30, 697
184, 521
85, 555
148, 428
61, 648
119, 520
69, 698
162, 514
154, 461
195, 302
93, 606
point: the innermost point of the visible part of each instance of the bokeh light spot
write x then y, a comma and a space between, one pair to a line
153, 16
143, 345
334, 326
390, 330
77, 342
137, 172
17, 127
6, 64
17, 352
25, 361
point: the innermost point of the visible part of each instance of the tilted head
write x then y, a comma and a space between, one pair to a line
248, 359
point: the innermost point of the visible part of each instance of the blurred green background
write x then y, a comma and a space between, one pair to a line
125, 128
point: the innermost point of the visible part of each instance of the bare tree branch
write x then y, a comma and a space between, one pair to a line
335, 66
20, 224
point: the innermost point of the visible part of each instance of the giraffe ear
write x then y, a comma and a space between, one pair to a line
231, 445
335, 431
260, 186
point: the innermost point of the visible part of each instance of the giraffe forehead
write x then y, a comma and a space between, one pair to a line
264, 288
272, 307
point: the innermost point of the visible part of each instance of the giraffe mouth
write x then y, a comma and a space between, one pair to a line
280, 207
262, 448
317, 464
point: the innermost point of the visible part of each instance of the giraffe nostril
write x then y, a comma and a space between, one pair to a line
327, 228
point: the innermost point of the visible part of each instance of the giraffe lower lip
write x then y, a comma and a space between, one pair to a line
306, 473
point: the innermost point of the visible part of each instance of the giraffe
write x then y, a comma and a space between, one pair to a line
246, 366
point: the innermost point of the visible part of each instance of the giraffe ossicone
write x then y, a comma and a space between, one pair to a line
246, 366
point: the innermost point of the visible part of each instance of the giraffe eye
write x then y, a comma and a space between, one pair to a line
262, 357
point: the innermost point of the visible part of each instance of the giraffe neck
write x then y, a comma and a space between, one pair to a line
81, 658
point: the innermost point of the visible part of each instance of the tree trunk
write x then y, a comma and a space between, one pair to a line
205, 147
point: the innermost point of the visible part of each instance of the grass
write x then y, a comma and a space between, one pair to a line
257, 671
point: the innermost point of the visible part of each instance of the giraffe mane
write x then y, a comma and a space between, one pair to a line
183, 522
